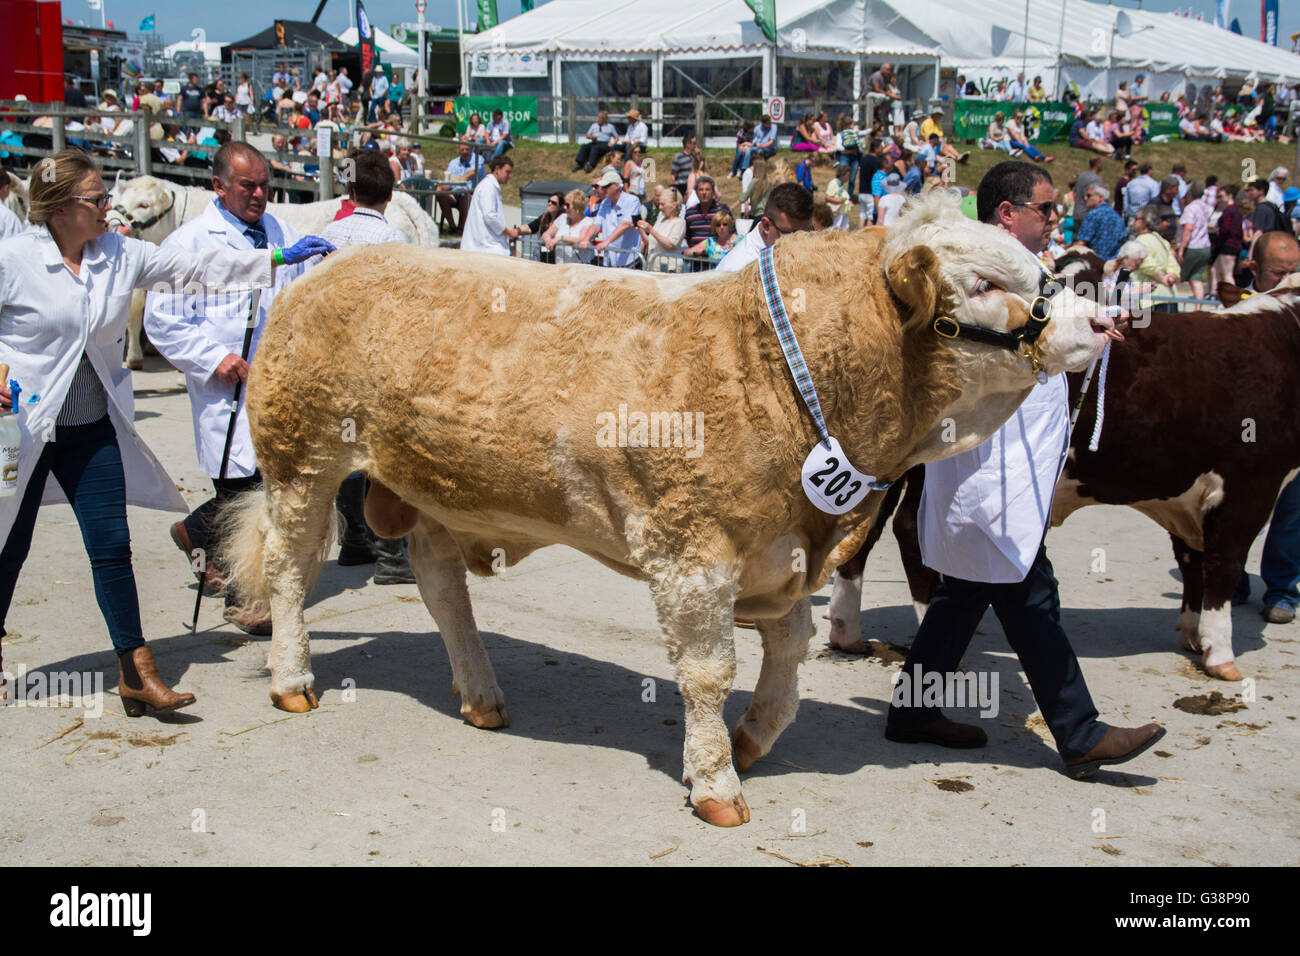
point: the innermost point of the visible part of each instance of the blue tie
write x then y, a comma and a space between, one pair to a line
257, 234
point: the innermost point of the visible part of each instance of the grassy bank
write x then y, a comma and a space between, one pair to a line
1229, 161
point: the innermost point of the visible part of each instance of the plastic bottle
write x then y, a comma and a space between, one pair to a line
10, 444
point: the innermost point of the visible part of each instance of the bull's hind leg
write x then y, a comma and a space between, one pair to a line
439, 569
1189, 617
776, 696
695, 607
297, 540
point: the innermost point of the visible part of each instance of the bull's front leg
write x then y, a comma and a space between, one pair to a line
776, 696
695, 606
439, 569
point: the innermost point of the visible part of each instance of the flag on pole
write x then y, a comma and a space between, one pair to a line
487, 14
147, 23
1268, 21
1295, 43
525, 5
365, 38
1221, 15
1236, 26
764, 16
93, 4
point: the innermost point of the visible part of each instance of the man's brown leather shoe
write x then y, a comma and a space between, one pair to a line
211, 579
941, 731
253, 621
140, 686
1118, 745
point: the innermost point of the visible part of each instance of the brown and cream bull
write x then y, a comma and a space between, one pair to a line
488, 428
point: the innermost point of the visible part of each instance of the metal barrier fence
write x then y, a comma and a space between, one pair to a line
532, 247
679, 262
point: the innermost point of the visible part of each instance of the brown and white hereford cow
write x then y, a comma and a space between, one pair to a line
485, 423
1199, 433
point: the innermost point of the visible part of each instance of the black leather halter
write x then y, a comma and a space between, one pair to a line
1019, 340
138, 224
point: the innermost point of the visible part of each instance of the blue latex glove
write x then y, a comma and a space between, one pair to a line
304, 249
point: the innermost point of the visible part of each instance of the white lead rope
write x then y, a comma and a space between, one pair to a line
1101, 399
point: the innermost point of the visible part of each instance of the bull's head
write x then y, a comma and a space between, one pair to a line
1005, 320
1006, 317
142, 202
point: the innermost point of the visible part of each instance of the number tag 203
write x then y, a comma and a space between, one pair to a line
831, 482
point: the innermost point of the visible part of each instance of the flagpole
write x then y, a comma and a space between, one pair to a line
460, 47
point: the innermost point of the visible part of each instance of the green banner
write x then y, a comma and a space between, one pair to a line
764, 16
1161, 119
1043, 121
520, 111
487, 15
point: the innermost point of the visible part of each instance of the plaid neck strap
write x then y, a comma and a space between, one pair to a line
789, 344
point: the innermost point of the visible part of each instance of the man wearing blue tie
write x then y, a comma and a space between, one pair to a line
203, 336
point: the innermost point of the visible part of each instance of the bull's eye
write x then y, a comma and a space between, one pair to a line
984, 287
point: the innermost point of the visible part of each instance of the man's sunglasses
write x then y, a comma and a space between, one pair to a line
1044, 208
784, 232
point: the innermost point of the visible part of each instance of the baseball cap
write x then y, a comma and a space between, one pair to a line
610, 177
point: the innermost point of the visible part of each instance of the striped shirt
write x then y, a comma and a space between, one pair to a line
86, 400
363, 227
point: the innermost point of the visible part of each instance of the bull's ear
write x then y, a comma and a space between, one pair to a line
1230, 294
914, 278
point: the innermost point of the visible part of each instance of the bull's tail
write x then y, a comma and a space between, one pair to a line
244, 523
246, 527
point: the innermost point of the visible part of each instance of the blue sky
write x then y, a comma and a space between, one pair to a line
233, 19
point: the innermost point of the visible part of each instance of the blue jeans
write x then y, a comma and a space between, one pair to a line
853, 161
87, 464
1279, 565
501, 147
1028, 148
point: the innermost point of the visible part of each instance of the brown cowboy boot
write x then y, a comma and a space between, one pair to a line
141, 687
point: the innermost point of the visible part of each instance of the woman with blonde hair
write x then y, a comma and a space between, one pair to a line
669, 229
571, 230
65, 292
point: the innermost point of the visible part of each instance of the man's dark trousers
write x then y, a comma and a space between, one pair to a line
1030, 612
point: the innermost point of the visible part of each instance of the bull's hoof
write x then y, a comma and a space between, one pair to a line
745, 750
722, 814
486, 718
297, 702
1225, 671
135, 365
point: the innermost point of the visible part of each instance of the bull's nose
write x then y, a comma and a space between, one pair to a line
1103, 324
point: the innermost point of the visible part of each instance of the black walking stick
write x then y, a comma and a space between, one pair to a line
230, 435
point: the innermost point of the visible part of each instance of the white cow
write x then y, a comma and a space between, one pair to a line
155, 208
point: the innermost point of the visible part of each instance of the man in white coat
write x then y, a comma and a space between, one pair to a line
203, 336
983, 518
485, 223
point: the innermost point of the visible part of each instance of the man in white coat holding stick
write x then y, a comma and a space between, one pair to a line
204, 337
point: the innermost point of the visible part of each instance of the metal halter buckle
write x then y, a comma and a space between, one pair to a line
947, 323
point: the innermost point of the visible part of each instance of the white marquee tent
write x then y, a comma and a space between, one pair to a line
989, 39
1096, 44
390, 50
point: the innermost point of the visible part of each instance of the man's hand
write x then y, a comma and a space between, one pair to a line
512, 232
6, 398
601, 245
232, 370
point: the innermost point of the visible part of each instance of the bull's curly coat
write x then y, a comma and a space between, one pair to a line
476, 389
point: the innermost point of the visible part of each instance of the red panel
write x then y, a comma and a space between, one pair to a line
31, 50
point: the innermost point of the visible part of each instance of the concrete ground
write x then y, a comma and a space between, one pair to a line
589, 771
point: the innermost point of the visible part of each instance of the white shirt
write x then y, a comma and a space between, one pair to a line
610, 216
49, 317
890, 206
10, 225
378, 86
743, 252
345, 83
196, 332
637, 133
566, 251
1274, 194
485, 223
983, 512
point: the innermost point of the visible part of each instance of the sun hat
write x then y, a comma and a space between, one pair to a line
893, 183
634, 114
1291, 195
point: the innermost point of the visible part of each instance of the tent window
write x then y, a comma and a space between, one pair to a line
728, 79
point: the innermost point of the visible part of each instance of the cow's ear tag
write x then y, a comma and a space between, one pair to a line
831, 482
